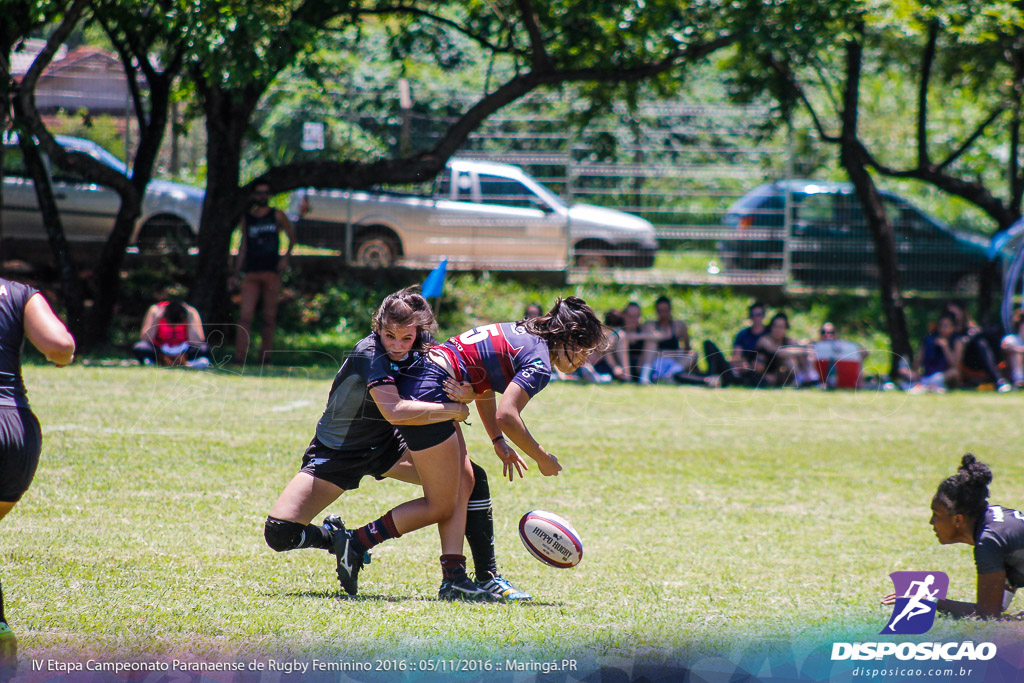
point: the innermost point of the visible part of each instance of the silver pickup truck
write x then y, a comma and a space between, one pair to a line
481, 215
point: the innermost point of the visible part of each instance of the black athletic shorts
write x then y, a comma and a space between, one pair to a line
20, 443
424, 381
344, 469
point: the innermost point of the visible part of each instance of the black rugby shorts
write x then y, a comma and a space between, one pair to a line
20, 443
344, 469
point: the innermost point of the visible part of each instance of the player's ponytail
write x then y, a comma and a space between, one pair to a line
966, 492
403, 308
570, 324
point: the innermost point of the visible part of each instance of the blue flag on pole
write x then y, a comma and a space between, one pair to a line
433, 286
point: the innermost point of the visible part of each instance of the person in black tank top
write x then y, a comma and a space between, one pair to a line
262, 263
24, 313
666, 349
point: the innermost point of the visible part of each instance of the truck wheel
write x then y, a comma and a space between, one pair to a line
165, 234
588, 260
375, 251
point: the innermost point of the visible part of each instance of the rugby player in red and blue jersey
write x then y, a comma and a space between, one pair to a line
513, 359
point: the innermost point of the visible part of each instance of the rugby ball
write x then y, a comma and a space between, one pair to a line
550, 539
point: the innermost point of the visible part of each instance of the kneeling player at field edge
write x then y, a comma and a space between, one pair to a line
961, 513
356, 437
513, 359
24, 313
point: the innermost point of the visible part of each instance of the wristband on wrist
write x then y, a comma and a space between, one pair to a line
499, 436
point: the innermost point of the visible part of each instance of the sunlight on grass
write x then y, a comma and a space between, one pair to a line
709, 518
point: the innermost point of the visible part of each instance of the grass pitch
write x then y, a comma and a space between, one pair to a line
710, 520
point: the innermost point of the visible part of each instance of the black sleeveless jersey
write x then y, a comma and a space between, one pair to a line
262, 250
13, 297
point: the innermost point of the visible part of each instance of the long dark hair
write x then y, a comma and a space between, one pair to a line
571, 324
966, 492
407, 307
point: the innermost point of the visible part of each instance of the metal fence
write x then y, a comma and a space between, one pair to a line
719, 186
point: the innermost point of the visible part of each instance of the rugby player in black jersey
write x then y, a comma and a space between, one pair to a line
961, 513
24, 313
356, 437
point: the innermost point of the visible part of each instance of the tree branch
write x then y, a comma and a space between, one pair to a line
540, 58
791, 81
927, 62
387, 10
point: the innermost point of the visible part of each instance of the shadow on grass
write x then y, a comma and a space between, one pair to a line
364, 597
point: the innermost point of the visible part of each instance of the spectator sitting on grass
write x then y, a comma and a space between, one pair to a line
1013, 349
634, 333
978, 362
938, 364
172, 334
666, 346
780, 360
744, 346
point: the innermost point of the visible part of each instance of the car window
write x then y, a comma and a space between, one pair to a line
817, 208
498, 190
14, 163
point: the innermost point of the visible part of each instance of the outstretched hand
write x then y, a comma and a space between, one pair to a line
511, 462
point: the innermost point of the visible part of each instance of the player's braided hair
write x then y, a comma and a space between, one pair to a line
571, 324
966, 492
407, 307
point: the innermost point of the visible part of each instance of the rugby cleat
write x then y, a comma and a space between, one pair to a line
503, 590
350, 561
464, 589
333, 524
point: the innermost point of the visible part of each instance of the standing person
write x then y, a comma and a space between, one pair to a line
172, 334
259, 257
961, 513
512, 358
744, 346
355, 437
24, 313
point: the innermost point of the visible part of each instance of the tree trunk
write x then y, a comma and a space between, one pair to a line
223, 206
74, 295
854, 160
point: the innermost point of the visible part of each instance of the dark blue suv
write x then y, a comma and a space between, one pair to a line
831, 244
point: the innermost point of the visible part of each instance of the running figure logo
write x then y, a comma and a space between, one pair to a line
919, 593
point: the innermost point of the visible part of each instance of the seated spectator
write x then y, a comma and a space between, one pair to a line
614, 361
744, 347
826, 353
978, 361
780, 360
666, 350
1013, 349
938, 364
634, 334
172, 334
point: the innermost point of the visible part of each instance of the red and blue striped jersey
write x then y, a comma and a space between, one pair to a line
495, 355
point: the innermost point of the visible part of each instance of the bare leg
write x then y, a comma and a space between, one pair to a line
5, 507
250, 296
271, 289
440, 471
303, 498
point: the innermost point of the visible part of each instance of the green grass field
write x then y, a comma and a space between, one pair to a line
711, 520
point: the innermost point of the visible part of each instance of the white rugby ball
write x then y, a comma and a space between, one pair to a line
550, 539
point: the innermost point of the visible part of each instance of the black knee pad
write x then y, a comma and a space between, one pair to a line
283, 535
481, 491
